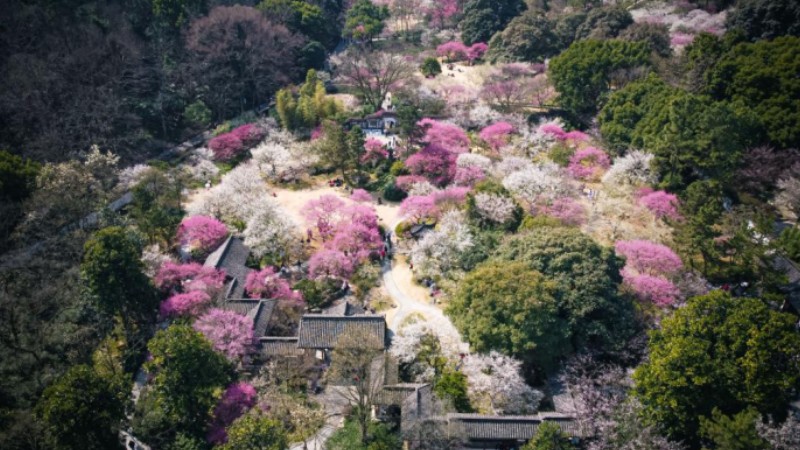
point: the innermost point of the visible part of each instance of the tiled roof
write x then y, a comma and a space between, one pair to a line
279, 346
258, 310
477, 427
343, 308
323, 330
232, 257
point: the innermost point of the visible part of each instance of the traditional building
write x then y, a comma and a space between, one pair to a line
231, 257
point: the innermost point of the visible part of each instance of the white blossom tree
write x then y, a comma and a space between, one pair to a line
438, 251
629, 171
269, 230
495, 208
465, 160
281, 157
785, 436
537, 183
511, 164
495, 385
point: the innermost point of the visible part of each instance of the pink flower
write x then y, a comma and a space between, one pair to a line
229, 333
654, 289
661, 204
452, 196
588, 163
173, 277
188, 304
266, 283
679, 39
452, 50
576, 136
226, 146
468, 176
330, 264
569, 211
360, 195
249, 134
476, 51
553, 130
497, 134
324, 212
435, 163
404, 182
361, 214
201, 233
374, 150
316, 133
419, 207
235, 401
647, 257
449, 136
357, 241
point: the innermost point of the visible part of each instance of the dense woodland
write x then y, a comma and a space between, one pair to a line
612, 191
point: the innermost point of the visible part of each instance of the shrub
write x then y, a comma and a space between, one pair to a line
430, 67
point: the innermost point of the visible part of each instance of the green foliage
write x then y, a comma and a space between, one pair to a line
549, 437
156, 207
718, 352
604, 23
303, 17
528, 37
483, 18
312, 56
582, 74
566, 26
733, 433
309, 107
176, 13
655, 34
318, 293
255, 432
364, 20
393, 193
82, 410
789, 242
766, 19
586, 278
185, 442
508, 307
627, 107
430, 67
114, 277
197, 113
452, 386
561, 154
693, 137
349, 438
533, 222
188, 377
17, 176
760, 77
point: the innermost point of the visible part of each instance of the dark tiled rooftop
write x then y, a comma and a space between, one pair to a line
232, 257
322, 330
478, 427
279, 346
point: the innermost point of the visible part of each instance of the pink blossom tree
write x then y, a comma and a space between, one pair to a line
419, 207
662, 204
174, 277
360, 195
453, 196
181, 305
249, 134
361, 214
576, 136
356, 241
267, 283
497, 134
435, 163
567, 210
226, 146
404, 182
468, 176
655, 289
237, 399
324, 213
645, 257
374, 151
588, 163
449, 136
230, 333
328, 263
452, 51
201, 234
441, 11
552, 129
476, 51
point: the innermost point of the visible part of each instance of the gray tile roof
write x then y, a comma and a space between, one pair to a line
343, 308
478, 427
279, 346
258, 310
321, 331
232, 257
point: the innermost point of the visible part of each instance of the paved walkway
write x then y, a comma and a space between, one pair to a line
449, 337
